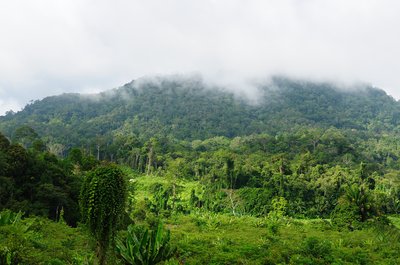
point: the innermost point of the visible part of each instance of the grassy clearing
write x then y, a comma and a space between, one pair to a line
205, 238
208, 238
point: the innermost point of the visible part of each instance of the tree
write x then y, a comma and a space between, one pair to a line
75, 156
4, 142
151, 146
25, 135
231, 179
103, 197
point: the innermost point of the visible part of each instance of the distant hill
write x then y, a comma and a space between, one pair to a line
187, 109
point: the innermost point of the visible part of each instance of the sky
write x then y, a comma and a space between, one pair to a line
48, 47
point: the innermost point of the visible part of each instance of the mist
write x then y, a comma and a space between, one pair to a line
51, 47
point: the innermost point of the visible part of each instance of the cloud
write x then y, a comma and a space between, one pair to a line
49, 47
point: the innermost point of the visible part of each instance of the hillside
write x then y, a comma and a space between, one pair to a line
188, 109
307, 174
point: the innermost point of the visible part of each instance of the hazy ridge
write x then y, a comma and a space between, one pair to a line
187, 108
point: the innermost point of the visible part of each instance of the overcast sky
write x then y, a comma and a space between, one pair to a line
48, 47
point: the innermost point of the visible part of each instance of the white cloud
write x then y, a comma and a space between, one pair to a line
9, 104
48, 47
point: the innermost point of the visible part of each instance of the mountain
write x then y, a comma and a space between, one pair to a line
188, 109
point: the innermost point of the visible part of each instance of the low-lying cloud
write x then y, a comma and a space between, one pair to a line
49, 47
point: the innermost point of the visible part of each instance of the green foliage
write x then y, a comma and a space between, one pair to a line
209, 163
227, 239
161, 198
75, 156
37, 182
143, 247
346, 215
41, 241
277, 214
4, 142
187, 108
103, 199
314, 251
26, 136
279, 206
8, 217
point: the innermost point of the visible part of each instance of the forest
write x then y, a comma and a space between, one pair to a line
172, 171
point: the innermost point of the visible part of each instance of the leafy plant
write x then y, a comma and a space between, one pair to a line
7, 256
102, 203
316, 247
36, 240
145, 247
8, 217
346, 215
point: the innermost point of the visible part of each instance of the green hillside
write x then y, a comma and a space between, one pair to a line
308, 173
188, 109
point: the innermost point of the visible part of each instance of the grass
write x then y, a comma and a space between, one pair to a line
395, 219
208, 238
205, 238
38, 240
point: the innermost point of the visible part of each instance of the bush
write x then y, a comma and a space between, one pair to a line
8, 217
41, 241
316, 248
345, 215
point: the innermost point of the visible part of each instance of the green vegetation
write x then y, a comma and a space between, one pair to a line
102, 205
36, 182
119, 120
223, 239
142, 247
173, 172
38, 240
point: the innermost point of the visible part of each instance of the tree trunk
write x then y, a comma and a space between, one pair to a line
150, 160
100, 253
230, 194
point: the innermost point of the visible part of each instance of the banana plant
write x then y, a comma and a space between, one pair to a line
146, 247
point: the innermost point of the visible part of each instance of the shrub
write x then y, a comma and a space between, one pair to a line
145, 247
345, 215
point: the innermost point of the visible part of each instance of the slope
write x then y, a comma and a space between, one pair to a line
187, 108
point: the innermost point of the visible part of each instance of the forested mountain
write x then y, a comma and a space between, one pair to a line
188, 109
308, 173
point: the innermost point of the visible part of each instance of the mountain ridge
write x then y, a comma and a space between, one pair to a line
188, 109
